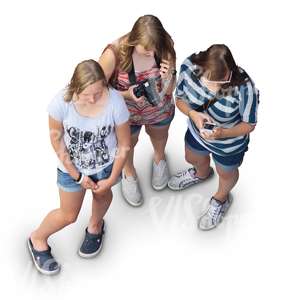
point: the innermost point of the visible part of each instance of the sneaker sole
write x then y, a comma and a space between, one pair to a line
36, 265
84, 255
159, 187
220, 221
133, 203
191, 184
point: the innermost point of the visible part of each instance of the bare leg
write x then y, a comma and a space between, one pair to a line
159, 137
200, 162
70, 205
129, 169
227, 180
100, 206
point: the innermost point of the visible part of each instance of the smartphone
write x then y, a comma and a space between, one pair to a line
208, 127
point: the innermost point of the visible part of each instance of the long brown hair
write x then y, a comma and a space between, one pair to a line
149, 32
219, 61
86, 72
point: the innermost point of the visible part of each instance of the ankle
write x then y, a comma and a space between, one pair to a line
95, 228
221, 197
130, 172
202, 173
159, 157
39, 244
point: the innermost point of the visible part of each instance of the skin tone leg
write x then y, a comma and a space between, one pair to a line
200, 162
129, 169
100, 206
159, 137
70, 205
227, 180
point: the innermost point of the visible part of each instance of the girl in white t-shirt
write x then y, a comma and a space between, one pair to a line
90, 134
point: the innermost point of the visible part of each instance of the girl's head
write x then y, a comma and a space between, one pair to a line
218, 66
147, 37
87, 83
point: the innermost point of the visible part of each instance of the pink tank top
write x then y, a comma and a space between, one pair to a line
142, 113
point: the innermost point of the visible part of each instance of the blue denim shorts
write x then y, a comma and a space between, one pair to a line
136, 128
227, 163
68, 184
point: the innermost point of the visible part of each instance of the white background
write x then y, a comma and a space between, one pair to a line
155, 251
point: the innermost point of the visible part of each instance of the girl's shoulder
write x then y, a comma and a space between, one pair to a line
58, 107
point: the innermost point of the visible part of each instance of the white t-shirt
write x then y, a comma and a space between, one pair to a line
91, 141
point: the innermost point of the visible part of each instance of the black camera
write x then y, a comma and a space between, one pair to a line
148, 89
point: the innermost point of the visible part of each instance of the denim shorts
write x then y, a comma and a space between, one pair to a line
68, 184
227, 163
136, 128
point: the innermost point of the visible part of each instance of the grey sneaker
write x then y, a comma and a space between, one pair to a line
131, 190
43, 260
92, 243
185, 179
160, 175
214, 213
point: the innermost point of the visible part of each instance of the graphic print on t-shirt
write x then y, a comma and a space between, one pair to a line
87, 149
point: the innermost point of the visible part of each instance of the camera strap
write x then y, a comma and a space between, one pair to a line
131, 74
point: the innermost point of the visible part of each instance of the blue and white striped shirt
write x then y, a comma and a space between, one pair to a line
228, 111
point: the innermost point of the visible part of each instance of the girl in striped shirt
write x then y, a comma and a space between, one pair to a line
212, 88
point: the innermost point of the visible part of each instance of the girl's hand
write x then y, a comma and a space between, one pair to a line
102, 186
88, 183
200, 118
139, 100
165, 69
217, 133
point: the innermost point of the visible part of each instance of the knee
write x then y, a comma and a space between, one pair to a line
134, 141
227, 175
69, 218
197, 161
157, 135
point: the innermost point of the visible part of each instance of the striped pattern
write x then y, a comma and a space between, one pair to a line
228, 111
145, 113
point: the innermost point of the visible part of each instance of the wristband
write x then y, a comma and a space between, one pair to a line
80, 179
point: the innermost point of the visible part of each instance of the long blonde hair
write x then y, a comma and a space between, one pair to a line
149, 32
86, 72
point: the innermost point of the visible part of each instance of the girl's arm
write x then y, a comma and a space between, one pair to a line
241, 129
108, 63
56, 132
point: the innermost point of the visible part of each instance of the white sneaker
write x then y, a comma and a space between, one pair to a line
160, 175
214, 214
131, 190
184, 179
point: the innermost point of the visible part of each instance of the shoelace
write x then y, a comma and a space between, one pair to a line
159, 170
191, 173
214, 212
132, 186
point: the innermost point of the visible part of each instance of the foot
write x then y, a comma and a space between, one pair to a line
92, 243
44, 262
160, 175
185, 179
131, 190
214, 213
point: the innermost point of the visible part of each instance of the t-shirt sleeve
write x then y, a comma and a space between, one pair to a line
249, 100
120, 112
57, 107
187, 88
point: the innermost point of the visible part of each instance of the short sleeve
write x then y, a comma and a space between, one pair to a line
249, 100
188, 88
57, 107
120, 112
